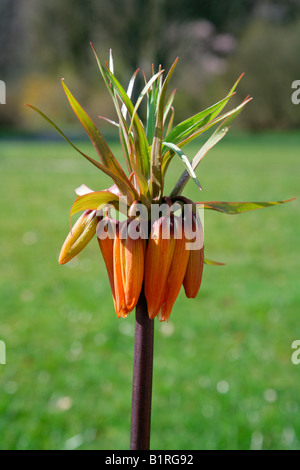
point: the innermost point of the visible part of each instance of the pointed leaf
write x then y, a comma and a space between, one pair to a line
171, 120
139, 135
142, 94
212, 123
190, 125
123, 183
156, 180
104, 152
200, 119
213, 263
169, 106
129, 92
219, 133
94, 201
186, 162
187, 127
239, 207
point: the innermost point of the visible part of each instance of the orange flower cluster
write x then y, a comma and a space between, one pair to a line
163, 263
170, 263
172, 256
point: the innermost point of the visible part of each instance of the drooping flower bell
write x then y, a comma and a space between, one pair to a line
106, 232
128, 260
177, 270
174, 260
158, 261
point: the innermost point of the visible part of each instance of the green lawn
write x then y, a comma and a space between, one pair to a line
223, 376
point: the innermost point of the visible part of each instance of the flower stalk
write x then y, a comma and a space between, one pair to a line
142, 377
147, 273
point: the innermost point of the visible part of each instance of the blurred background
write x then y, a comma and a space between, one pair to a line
223, 375
215, 41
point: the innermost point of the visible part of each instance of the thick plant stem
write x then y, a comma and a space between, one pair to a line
142, 378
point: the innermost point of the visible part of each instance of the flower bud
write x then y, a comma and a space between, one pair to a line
80, 235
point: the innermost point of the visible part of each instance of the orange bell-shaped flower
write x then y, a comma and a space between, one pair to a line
177, 270
129, 258
106, 233
157, 263
194, 270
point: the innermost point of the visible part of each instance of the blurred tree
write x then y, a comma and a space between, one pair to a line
46, 38
11, 38
62, 33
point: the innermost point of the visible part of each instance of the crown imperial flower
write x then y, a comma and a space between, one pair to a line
161, 263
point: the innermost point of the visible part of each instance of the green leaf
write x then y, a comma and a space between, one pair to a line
94, 201
169, 155
187, 127
186, 162
169, 106
142, 94
152, 100
156, 180
143, 185
139, 136
214, 122
239, 207
190, 125
213, 263
125, 139
219, 133
101, 147
129, 92
171, 120
123, 183
213, 140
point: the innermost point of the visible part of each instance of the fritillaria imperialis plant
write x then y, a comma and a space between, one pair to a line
147, 255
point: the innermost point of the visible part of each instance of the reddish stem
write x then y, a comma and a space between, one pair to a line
142, 378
